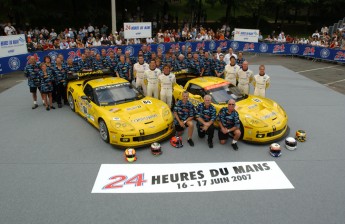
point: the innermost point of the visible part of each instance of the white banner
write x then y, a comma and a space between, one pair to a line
12, 45
190, 177
246, 35
137, 30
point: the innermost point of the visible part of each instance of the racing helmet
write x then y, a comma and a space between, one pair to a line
290, 143
130, 155
156, 149
275, 150
176, 141
301, 135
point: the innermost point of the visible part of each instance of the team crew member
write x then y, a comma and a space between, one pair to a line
139, 69
151, 77
197, 65
229, 123
122, 69
220, 66
228, 56
83, 64
240, 59
230, 71
98, 63
47, 77
261, 82
244, 78
184, 114
60, 77
206, 115
167, 81
31, 72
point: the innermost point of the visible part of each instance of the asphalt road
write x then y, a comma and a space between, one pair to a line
329, 74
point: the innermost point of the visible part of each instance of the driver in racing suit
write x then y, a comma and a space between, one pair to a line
167, 81
139, 69
151, 77
261, 82
244, 78
230, 71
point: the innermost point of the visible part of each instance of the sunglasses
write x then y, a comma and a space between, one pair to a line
231, 104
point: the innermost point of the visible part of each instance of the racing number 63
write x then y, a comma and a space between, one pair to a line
137, 180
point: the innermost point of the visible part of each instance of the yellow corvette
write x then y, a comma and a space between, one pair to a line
123, 115
262, 119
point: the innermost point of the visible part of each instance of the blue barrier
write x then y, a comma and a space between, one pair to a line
14, 63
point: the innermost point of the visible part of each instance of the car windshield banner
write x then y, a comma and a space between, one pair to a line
191, 177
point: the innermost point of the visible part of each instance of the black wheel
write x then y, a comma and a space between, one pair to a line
71, 102
103, 131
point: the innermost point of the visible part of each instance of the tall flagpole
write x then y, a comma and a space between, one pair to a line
113, 16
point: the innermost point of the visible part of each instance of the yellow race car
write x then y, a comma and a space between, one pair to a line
262, 119
123, 115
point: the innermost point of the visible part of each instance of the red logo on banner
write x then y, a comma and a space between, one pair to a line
223, 44
279, 48
200, 45
36, 57
74, 54
128, 27
249, 47
174, 46
340, 56
111, 50
309, 51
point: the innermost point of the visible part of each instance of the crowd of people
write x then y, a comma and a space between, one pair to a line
93, 36
151, 71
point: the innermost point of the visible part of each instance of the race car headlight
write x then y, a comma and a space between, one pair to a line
255, 122
166, 114
122, 125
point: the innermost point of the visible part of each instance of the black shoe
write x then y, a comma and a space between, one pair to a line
47, 108
190, 141
234, 146
52, 107
34, 106
210, 144
59, 105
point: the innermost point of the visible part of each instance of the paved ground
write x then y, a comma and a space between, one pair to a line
49, 162
326, 73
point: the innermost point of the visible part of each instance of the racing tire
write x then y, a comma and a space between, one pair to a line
103, 131
71, 102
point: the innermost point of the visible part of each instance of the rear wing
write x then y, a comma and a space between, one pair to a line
89, 74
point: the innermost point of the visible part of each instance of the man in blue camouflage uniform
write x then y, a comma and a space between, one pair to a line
123, 69
130, 61
208, 65
174, 64
240, 59
167, 59
70, 67
214, 63
220, 66
206, 115
104, 57
98, 63
31, 72
181, 63
83, 64
47, 78
146, 53
112, 61
229, 123
60, 76
184, 114
197, 65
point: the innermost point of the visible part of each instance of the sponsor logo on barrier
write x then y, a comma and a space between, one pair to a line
223, 44
188, 45
111, 50
200, 45
173, 46
0, 68
130, 49
95, 50
279, 48
10, 51
53, 55
294, 49
263, 47
324, 53
234, 45
162, 47
340, 56
249, 47
309, 51
14, 63
212, 45
74, 54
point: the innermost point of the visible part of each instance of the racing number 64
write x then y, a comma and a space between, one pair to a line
137, 180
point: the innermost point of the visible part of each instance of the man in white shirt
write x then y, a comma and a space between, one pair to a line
139, 69
9, 30
228, 55
244, 77
231, 70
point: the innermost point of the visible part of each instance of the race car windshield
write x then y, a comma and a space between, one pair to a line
117, 94
223, 94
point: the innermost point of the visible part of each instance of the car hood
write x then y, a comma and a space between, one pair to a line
145, 111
